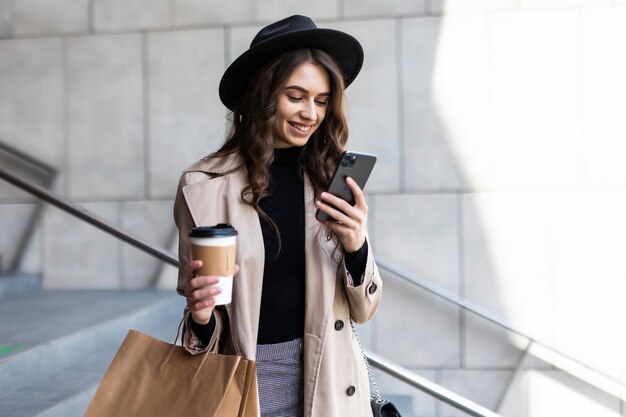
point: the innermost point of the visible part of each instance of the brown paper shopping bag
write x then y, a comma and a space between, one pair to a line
149, 377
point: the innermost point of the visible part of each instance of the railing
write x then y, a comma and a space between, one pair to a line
45, 175
33, 162
533, 346
390, 368
89, 217
428, 386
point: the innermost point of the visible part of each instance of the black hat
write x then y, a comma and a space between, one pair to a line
294, 32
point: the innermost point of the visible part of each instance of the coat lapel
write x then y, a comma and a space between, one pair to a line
319, 263
321, 273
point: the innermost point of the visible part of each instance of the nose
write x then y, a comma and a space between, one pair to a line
308, 110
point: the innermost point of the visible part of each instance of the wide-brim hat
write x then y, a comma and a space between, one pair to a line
294, 32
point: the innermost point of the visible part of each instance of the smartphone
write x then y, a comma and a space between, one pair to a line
355, 165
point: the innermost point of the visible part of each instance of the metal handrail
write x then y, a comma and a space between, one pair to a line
429, 387
536, 347
28, 159
390, 368
89, 217
46, 173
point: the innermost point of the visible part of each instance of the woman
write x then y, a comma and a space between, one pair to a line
300, 281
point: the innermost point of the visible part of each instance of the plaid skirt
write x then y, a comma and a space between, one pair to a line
280, 379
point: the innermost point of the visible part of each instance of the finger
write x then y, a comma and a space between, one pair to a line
355, 216
201, 305
342, 205
357, 212
203, 297
200, 281
359, 196
338, 216
192, 266
203, 280
204, 294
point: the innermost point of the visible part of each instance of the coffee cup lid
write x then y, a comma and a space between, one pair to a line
219, 230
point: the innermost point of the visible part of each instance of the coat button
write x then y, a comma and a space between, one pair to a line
351, 390
338, 325
372, 289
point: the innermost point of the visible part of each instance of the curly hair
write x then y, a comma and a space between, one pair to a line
252, 127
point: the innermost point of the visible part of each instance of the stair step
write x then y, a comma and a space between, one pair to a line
15, 284
72, 407
68, 339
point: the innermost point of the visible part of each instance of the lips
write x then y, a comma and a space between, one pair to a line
301, 128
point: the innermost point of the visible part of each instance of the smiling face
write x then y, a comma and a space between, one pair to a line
302, 105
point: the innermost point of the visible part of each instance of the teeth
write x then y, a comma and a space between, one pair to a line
301, 128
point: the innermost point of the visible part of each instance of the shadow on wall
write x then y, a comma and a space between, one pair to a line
426, 223
491, 139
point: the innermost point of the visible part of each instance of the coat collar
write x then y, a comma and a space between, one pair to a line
217, 165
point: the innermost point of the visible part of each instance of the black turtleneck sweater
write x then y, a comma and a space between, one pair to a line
283, 296
282, 300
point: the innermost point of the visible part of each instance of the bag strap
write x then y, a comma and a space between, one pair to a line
180, 326
370, 373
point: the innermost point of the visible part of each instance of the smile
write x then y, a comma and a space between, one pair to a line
301, 128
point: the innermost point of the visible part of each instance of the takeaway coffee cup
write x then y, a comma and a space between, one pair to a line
216, 247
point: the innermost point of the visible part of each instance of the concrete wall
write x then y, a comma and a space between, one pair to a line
500, 130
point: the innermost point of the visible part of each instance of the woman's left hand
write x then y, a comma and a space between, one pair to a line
349, 223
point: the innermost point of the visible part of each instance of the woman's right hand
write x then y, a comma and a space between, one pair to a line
201, 292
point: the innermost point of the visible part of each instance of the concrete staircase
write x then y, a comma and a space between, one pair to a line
56, 345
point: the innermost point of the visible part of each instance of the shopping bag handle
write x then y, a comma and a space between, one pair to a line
214, 343
180, 325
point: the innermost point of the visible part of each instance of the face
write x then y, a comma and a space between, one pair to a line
301, 105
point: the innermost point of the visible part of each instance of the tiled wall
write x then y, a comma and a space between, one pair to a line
499, 126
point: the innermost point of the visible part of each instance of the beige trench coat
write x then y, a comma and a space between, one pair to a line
208, 194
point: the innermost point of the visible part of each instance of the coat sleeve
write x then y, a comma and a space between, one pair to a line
184, 222
365, 298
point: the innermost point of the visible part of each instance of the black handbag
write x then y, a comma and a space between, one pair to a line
380, 407
384, 408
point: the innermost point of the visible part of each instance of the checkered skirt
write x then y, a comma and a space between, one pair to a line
280, 378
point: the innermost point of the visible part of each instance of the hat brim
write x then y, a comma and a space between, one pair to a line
344, 49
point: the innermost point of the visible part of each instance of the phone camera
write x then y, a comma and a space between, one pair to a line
348, 160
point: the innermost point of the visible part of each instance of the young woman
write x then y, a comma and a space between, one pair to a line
300, 281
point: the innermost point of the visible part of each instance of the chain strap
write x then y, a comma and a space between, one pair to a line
370, 374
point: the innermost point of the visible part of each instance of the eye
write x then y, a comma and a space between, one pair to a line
322, 101
294, 98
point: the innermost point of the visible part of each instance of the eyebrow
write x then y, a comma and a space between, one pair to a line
304, 90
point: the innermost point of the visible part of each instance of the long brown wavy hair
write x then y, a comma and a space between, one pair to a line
252, 128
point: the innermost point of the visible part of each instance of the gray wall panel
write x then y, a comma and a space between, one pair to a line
105, 117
